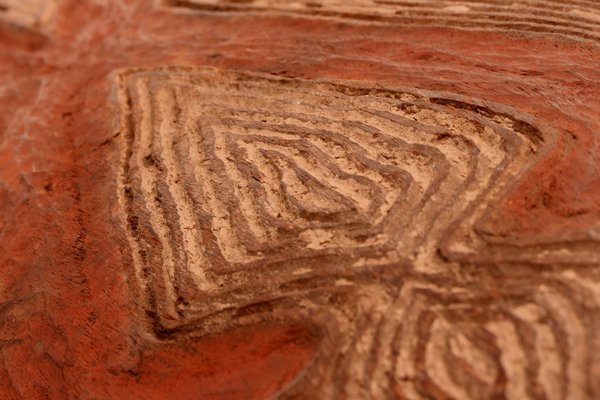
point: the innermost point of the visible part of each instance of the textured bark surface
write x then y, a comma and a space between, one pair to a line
334, 199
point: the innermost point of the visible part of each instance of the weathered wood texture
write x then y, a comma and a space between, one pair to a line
334, 199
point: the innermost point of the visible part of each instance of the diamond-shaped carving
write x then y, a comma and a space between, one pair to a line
237, 180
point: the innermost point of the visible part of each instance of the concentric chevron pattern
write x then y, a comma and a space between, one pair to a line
30, 14
576, 19
254, 198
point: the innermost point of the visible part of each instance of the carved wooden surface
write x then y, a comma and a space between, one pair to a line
573, 18
330, 199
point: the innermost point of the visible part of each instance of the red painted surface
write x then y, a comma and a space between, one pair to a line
66, 309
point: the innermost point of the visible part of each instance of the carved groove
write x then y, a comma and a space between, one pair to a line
250, 198
574, 19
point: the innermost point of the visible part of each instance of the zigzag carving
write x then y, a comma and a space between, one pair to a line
250, 198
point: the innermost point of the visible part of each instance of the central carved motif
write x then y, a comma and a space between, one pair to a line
252, 198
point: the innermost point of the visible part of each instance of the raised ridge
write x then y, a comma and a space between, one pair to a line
574, 19
250, 197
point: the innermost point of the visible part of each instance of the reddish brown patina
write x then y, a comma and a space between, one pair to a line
66, 305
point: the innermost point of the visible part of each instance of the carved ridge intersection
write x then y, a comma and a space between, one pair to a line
373, 197
165, 78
